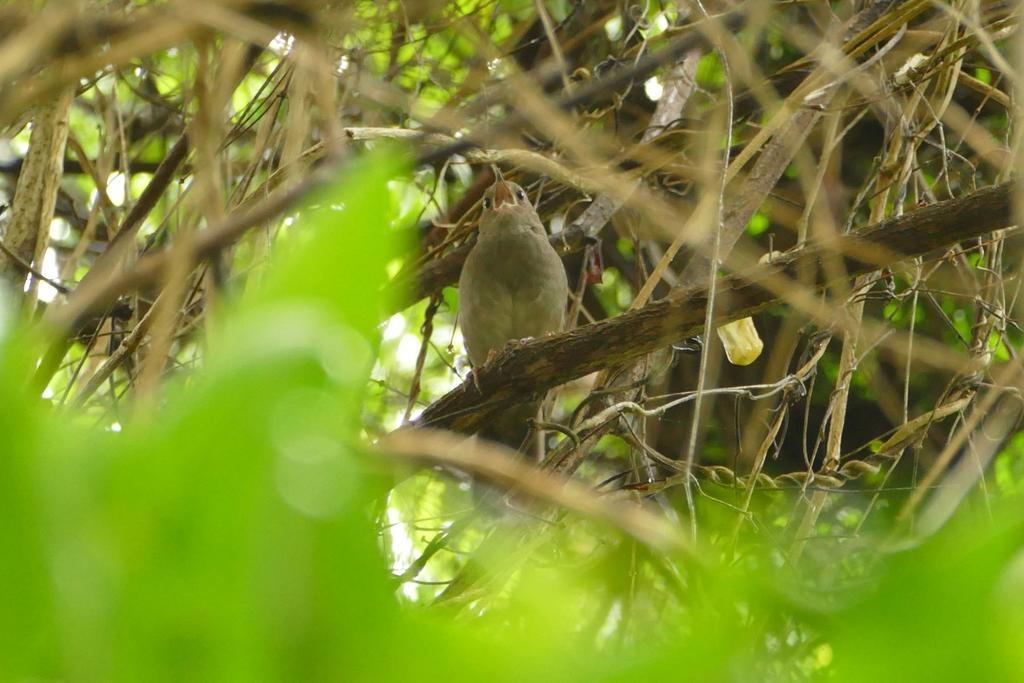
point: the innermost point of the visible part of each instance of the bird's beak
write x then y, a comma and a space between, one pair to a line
502, 194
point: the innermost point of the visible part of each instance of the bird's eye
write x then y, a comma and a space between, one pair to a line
521, 194
487, 203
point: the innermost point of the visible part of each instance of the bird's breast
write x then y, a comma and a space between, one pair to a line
513, 286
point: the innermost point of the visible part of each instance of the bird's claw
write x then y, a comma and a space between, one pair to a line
474, 372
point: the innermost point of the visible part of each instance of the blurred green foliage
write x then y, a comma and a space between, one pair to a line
240, 532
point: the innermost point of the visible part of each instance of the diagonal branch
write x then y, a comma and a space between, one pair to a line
542, 364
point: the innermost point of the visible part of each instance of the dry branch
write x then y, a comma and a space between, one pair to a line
150, 268
500, 466
539, 365
36, 194
695, 37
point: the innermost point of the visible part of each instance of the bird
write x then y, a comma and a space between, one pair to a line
513, 287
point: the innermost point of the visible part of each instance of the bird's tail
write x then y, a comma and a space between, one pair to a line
512, 429
512, 426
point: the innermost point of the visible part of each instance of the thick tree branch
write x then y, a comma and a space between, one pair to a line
539, 365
